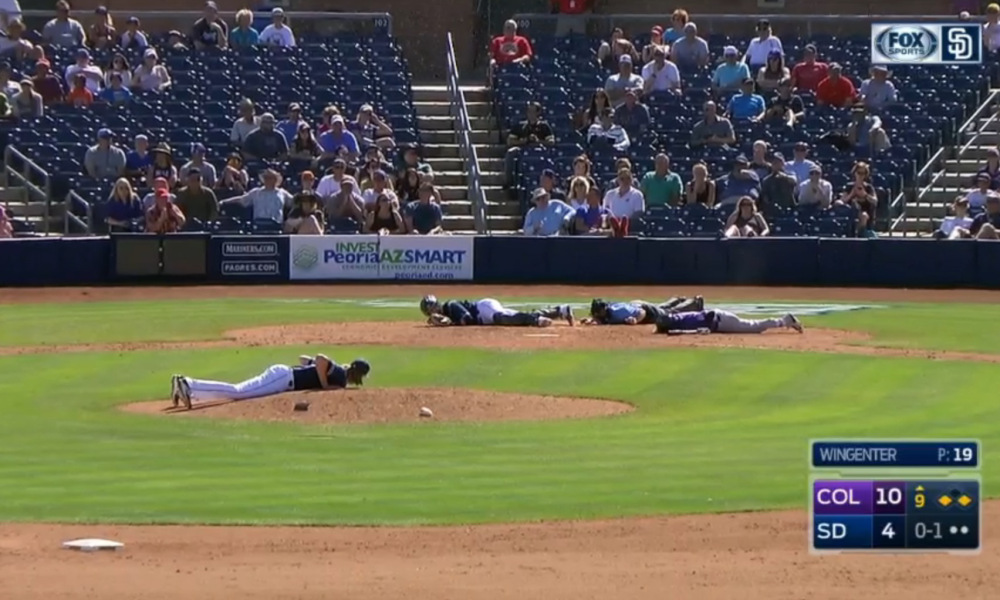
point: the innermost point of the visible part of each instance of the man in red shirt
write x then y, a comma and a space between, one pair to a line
509, 48
572, 15
836, 90
807, 74
164, 216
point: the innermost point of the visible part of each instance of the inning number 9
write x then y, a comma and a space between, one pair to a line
960, 44
919, 500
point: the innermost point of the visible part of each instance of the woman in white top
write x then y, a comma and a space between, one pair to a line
579, 187
762, 46
277, 33
956, 226
624, 202
119, 66
150, 75
991, 29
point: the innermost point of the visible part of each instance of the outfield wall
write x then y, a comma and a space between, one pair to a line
202, 258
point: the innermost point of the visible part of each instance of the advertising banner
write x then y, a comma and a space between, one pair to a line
248, 257
363, 257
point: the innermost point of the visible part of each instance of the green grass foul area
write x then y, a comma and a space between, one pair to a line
714, 430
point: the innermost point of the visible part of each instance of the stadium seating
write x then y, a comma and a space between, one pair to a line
564, 73
347, 70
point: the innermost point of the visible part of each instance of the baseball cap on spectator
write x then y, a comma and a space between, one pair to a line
82, 53
105, 134
656, 30
160, 183
294, 106
142, 137
101, 10
277, 11
777, 157
132, 21
197, 147
150, 53
539, 193
367, 108
763, 23
194, 171
174, 33
340, 163
690, 27
211, 4
801, 145
267, 118
549, 173
625, 60
337, 119
815, 169
741, 160
983, 177
747, 80
730, 51
811, 48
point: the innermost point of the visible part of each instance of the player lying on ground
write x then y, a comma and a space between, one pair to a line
637, 312
312, 373
489, 312
720, 321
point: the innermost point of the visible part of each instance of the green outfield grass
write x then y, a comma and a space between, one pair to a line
715, 430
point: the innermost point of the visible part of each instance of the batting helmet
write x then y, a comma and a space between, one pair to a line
598, 308
428, 304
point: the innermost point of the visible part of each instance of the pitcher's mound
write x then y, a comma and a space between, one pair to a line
391, 405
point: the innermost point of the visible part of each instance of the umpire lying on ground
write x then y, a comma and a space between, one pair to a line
638, 312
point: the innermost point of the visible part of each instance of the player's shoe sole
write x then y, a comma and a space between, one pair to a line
185, 391
544, 321
794, 323
175, 390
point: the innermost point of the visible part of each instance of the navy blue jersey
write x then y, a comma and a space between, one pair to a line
688, 321
307, 378
461, 312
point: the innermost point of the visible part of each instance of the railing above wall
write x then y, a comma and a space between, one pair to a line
460, 111
34, 179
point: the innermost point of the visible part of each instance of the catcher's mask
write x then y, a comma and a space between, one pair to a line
429, 305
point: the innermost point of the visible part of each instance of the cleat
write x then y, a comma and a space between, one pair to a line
544, 321
175, 390
699, 303
568, 313
185, 391
793, 322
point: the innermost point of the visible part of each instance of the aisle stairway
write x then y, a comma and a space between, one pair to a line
436, 129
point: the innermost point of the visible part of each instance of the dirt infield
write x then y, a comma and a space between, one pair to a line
390, 405
748, 556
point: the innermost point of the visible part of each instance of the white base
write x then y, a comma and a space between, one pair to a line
92, 544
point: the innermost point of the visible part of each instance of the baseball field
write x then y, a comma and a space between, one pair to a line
583, 462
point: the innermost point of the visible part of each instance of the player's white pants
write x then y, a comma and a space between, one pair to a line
731, 323
275, 380
488, 307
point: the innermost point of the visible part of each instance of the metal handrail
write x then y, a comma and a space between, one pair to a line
24, 179
74, 199
460, 111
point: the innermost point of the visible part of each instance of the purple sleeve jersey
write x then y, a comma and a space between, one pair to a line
685, 321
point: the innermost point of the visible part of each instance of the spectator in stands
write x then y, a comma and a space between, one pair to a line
233, 178
739, 182
745, 221
801, 166
581, 168
6, 229
701, 189
606, 133
104, 160
572, 15
412, 160
150, 199
307, 181
47, 84
384, 217
210, 31
79, 95
162, 165
134, 38
329, 185
8, 87
326, 117
991, 168
164, 216
305, 218
289, 126
624, 203
27, 103
102, 29
347, 202
150, 75
196, 200
861, 195
304, 147
243, 35
118, 65
836, 89
746, 106
91, 72
116, 93
408, 186
592, 217
380, 186
547, 181
759, 163
14, 46
123, 208
877, 91
338, 136
62, 30
816, 191
633, 116
779, 187
267, 202
772, 73
5, 111
807, 74
786, 107
655, 43
690, 51
623, 81
547, 217
138, 160
762, 46
578, 190
374, 162
265, 142
661, 186
278, 33
991, 29
610, 53
587, 116
731, 73
207, 170
533, 131
865, 130
660, 75
245, 124
955, 226
508, 48
712, 130
978, 195
370, 129
986, 225
176, 41
424, 216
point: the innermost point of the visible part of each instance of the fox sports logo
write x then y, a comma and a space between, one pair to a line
907, 44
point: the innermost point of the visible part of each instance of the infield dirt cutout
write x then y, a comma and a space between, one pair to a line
745, 556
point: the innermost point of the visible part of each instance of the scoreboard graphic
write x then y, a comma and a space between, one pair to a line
895, 496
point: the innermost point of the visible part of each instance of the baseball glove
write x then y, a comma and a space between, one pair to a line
438, 320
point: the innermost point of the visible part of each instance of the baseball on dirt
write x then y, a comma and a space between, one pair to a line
426, 412
301, 405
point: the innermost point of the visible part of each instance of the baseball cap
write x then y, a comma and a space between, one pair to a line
160, 183
105, 134
267, 117
194, 171
133, 21
380, 174
340, 163
539, 193
336, 119
625, 60
801, 145
690, 27
277, 11
730, 51
361, 366
82, 53
763, 23
212, 5
101, 10
141, 138
657, 29
741, 160
294, 106
810, 48
747, 80
549, 173
366, 108
815, 169
778, 156
982, 177
149, 53
197, 147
